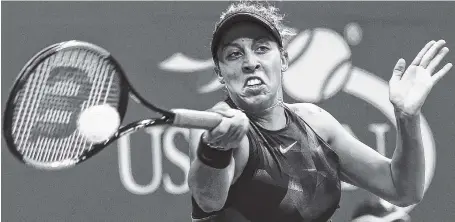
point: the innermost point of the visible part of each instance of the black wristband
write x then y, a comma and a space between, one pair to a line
215, 158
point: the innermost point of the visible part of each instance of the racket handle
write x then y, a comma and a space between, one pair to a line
196, 119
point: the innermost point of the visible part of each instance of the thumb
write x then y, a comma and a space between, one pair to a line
225, 112
399, 69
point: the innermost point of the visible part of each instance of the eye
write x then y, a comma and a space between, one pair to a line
262, 49
233, 55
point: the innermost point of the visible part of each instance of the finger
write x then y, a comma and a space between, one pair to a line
230, 135
431, 53
437, 59
231, 139
398, 70
239, 133
216, 134
225, 112
234, 140
436, 77
213, 137
422, 52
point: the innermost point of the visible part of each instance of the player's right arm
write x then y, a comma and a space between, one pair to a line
210, 185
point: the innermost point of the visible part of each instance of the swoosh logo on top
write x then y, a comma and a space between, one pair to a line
285, 150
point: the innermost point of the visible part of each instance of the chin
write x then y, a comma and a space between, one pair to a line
256, 102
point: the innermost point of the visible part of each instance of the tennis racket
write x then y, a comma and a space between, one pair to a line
56, 86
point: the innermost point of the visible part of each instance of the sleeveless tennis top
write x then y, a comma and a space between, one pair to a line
292, 175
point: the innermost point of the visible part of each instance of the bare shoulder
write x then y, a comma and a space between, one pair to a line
307, 109
310, 113
317, 118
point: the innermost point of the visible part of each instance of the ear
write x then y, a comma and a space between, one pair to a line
284, 61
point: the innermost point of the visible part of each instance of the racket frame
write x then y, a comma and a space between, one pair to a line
18, 84
179, 117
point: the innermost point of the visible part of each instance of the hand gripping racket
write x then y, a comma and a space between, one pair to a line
41, 117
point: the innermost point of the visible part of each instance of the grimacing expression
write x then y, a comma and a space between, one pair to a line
250, 64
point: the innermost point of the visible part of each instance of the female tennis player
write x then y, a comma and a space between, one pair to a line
272, 161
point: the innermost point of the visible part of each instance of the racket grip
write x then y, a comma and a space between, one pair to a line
196, 119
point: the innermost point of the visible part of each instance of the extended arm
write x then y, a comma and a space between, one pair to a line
209, 180
399, 180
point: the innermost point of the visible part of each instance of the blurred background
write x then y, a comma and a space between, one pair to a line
341, 59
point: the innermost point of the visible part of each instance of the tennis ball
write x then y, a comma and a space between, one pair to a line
322, 68
98, 123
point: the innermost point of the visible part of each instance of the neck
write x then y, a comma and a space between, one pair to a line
273, 118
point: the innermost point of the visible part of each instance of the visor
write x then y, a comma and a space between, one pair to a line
230, 20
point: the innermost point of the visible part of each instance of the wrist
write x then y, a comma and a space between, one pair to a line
210, 143
214, 156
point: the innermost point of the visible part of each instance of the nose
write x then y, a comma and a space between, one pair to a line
250, 63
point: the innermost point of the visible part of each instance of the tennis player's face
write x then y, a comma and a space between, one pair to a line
250, 64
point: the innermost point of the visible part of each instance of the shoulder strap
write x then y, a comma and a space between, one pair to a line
307, 125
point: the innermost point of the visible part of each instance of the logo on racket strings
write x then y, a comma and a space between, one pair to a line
67, 88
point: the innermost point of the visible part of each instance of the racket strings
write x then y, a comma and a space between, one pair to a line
44, 122
94, 98
59, 149
36, 150
31, 100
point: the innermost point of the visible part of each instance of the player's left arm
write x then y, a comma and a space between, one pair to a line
360, 164
401, 179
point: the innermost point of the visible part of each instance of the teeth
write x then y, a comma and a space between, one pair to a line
252, 82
